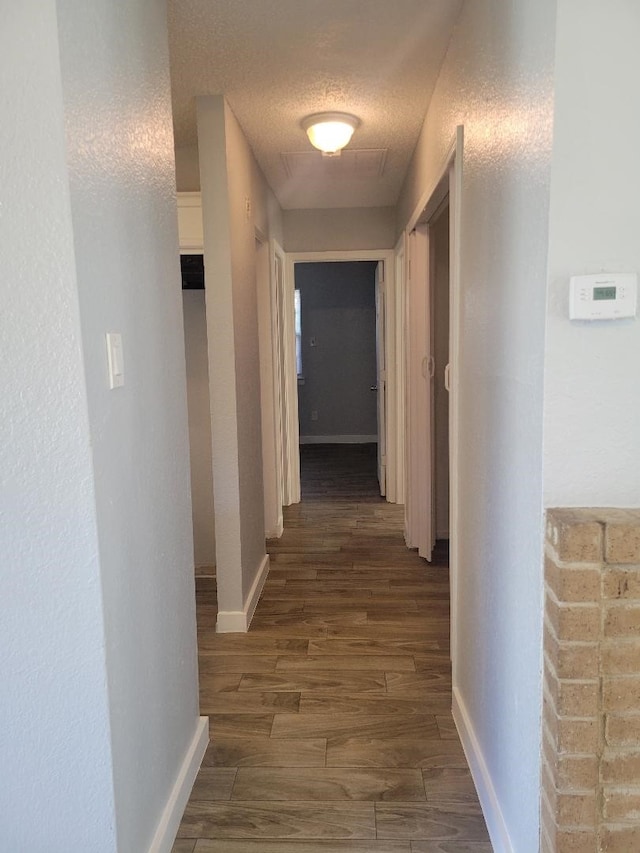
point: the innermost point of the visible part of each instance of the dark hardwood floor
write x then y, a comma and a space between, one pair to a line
331, 729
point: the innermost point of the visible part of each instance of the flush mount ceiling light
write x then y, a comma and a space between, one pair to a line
330, 132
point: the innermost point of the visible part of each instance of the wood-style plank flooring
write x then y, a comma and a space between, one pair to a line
331, 729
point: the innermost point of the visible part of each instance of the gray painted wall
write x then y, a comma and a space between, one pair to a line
315, 230
115, 65
338, 314
56, 791
229, 175
98, 627
195, 347
497, 80
592, 404
321, 230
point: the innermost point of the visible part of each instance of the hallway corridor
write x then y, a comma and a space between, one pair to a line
331, 729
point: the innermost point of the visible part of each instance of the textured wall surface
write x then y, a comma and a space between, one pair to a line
120, 155
56, 790
266, 210
222, 363
592, 406
187, 169
497, 82
339, 313
342, 229
195, 345
231, 178
242, 179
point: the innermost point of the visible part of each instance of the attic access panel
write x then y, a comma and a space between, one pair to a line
350, 163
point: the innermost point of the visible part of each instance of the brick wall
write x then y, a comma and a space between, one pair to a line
591, 715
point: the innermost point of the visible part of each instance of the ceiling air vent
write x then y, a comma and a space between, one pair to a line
350, 164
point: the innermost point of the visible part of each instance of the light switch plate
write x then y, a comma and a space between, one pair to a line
115, 359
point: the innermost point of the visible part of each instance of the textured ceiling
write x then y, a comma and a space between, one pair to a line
276, 61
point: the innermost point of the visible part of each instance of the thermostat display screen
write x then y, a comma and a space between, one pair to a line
604, 293
603, 296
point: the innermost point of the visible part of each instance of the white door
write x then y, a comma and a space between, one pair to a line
419, 511
381, 381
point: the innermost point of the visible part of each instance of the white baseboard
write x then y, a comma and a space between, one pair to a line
493, 816
254, 593
238, 621
172, 813
338, 439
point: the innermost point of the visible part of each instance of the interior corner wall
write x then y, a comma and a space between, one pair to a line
244, 183
267, 211
235, 201
199, 405
56, 792
339, 229
115, 79
187, 169
497, 81
592, 406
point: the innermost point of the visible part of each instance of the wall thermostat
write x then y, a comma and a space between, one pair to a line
608, 296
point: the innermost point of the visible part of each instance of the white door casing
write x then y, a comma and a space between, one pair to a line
418, 521
448, 178
391, 355
381, 376
397, 389
269, 395
285, 353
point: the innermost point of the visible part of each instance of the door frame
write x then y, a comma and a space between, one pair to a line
448, 179
285, 381
381, 376
419, 497
387, 256
269, 390
399, 404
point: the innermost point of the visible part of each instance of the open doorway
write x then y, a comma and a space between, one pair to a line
429, 457
384, 396
440, 290
340, 359
198, 402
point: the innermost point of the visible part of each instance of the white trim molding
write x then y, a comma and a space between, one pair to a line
190, 230
338, 439
285, 372
448, 177
238, 621
387, 256
487, 795
167, 828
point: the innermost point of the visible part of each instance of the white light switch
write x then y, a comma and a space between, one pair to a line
116, 360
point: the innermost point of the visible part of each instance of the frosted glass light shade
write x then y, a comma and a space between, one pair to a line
330, 132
